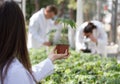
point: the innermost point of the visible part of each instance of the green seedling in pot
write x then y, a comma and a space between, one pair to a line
62, 45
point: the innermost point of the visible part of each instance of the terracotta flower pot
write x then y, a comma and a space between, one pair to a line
61, 48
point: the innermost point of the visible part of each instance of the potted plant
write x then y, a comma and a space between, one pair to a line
50, 35
63, 45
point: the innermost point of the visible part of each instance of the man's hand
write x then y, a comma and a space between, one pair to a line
47, 43
93, 38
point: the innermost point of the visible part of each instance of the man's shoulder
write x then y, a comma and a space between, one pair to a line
37, 15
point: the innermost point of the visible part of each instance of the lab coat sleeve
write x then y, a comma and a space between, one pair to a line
102, 42
79, 40
34, 27
102, 38
79, 43
43, 69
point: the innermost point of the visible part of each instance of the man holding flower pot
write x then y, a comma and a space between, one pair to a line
40, 24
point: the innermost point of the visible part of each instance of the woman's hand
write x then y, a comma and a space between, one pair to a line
53, 56
93, 38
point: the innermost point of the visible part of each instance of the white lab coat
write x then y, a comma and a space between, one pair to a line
99, 33
17, 74
39, 27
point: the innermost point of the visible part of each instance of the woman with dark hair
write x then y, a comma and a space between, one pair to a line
15, 66
91, 37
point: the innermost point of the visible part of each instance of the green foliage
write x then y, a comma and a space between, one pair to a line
67, 22
37, 55
80, 68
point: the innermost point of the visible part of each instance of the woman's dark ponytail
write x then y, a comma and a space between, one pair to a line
89, 28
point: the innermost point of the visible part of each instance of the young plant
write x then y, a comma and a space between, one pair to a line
66, 24
62, 45
51, 35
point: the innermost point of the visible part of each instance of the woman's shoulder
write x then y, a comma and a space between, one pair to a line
16, 74
16, 64
16, 67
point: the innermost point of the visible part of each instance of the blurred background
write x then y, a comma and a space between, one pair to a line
106, 11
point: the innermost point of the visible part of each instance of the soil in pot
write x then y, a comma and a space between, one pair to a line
61, 48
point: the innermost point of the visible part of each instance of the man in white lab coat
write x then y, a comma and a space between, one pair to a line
91, 37
40, 24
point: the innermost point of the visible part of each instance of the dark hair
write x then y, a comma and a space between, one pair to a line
89, 28
12, 38
52, 8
